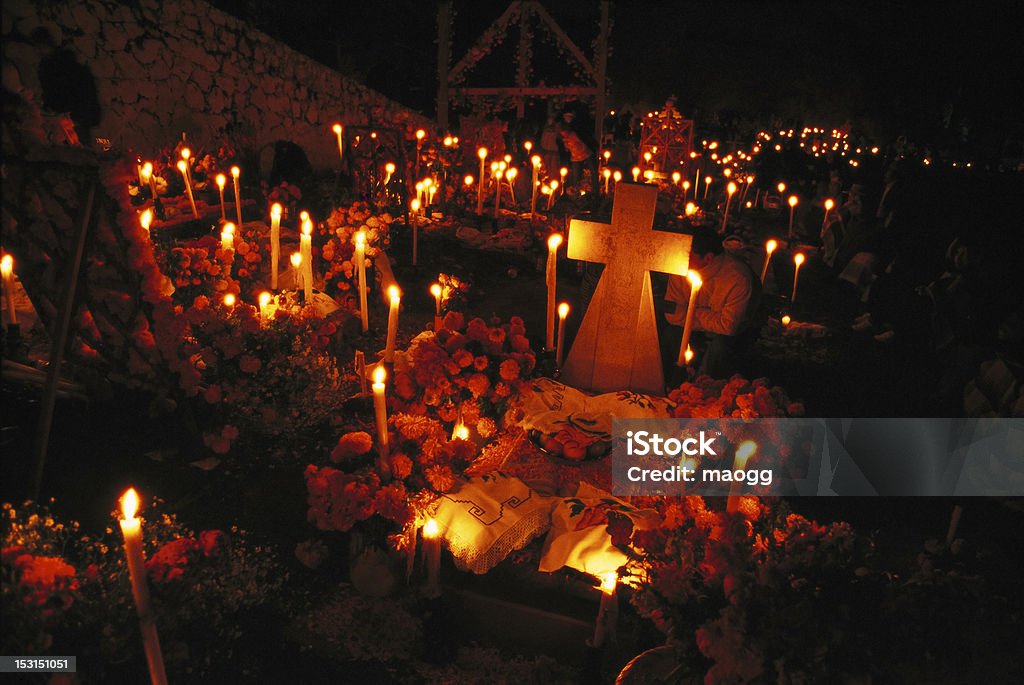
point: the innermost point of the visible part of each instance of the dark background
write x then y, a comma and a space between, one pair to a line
888, 67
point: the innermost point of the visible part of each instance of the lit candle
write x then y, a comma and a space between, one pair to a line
380, 410
695, 284
744, 451
535, 163
227, 239
691, 207
676, 177
562, 173
648, 175
7, 271
147, 174
389, 169
608, 613
686, 188
131, 529
396, 300
183, 168
786, 320
696, 179
339, 131
607, 173
769, 248
235, 173
264, 301
229, 300
435, 290
554, 241
510, 177
482, 154
296, 260
688, 355
360, 370
498, 173
617, 176
361, 267
432, 557
222, 181
275, 243
792, 201
829, 204
730, 191
798, 259
636, 174
551, 197
707, 186
306, 250
146, 219
563, 311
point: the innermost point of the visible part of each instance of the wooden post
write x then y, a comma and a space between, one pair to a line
522, 64
61, 331
444, 40
600, 76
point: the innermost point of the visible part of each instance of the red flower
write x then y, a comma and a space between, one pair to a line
353, 444
509, 370
249, 364
213, 542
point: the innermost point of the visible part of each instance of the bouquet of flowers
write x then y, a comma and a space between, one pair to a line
338, 233
465, 372
706, 397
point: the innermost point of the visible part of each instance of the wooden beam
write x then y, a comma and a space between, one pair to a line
535, 91
563, 39
500, 26
444, 45
600, 76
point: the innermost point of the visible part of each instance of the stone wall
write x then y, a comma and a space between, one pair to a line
162, 68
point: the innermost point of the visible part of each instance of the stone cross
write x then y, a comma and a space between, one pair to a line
617, 345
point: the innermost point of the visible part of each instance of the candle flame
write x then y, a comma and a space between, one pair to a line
798, 258
792, 200
676, 176
829, 204
303, 215
617, 176
221, 181
460, 432
7, 265
468, 180
744, 451
275, 211
229, 228
230, 300
563, 172
535, 161
185, 153
129, 504
482, 153
147, 169
431, 529
235, 172
688, 355
336, 128
732, 187
360, 239
420, 134
307, 226
528, 145
389, 167
786, 320
394, 293
265, 298
691, 209
296, 259
435, 290
182, 165
146, 219
608, 582
694, 278
554, 240
771, 246
379, 374
554, 185
563, 310
781, 187
415, 204
686, 185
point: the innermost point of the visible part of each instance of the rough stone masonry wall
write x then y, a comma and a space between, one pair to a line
181, 65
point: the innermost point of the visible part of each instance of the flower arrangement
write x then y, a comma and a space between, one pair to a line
65, 591
465, 372
706, 397
338, 233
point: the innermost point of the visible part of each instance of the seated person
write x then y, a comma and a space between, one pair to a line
726, 307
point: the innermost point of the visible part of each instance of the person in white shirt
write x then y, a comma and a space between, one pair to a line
726, 306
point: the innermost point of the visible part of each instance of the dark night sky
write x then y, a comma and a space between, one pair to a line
886, 66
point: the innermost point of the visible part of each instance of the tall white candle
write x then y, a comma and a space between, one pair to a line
380, 409
222, 181
275, 243
296, 260
183, 168
691, 307
396, 300
131, 529
744, 451
435, 290
361, 267
554, 240
432, 557
306, 250
535, 163
227, 240
482, 154
792, 201
769, 248
730, 191
235, 173
563, 311
264, 301
339, 131
7, 269
798, 260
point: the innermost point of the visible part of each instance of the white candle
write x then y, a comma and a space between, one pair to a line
396, 300
707, 186
380, 409
744, 451
608, 613
275, 243
306, 250
691, 307
222, 181
482, 154
227, 240
296, 260
563, 311
829, 204
510, 177
798, 259
792, 206
183, 168
769, 248
636, 174
147, 173
7, 269
235, 173
339, 131
361, 267
730, 191
535, 163
389, 169
432, 557
607, 173
554, 240
497, 188
131, 529
146, 219
551, 197
435, 290
264, 301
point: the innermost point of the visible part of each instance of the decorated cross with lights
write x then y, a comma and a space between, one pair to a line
617, 345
